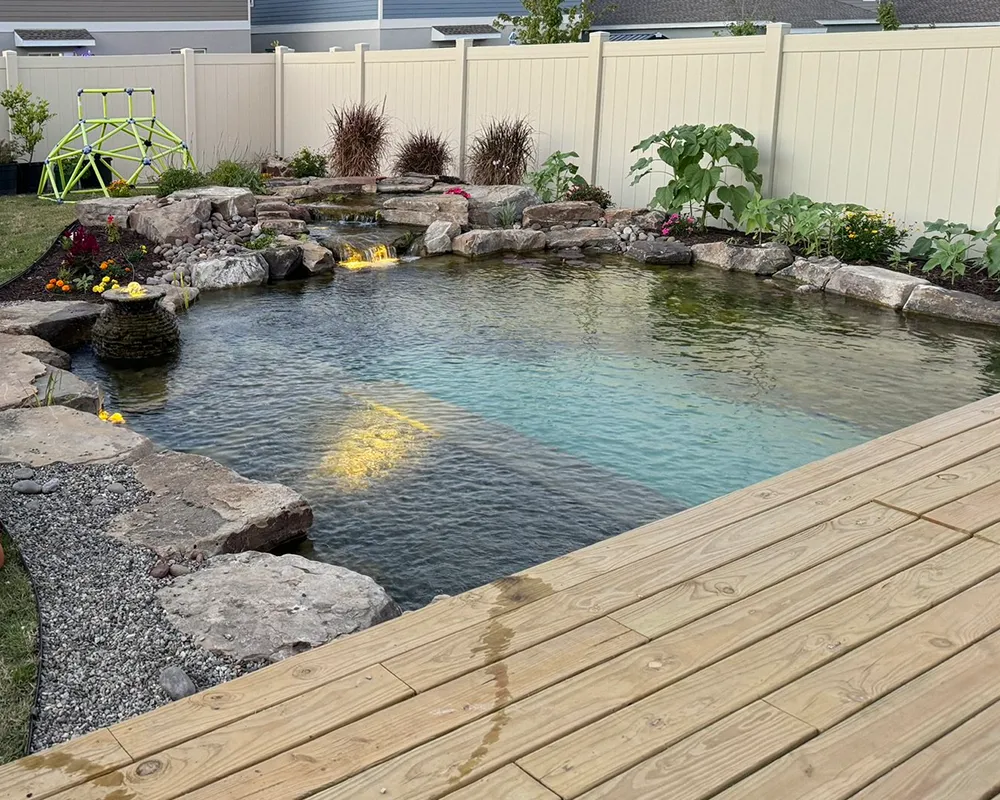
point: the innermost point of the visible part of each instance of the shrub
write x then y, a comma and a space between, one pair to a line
886, 16
262, 242
308, 164
28, 118
594, 194
864, 235
555, 177
745, 28
685, 149
8, 152
82, 249
423, 152
500, 152
174, 179
235, 173
359, 138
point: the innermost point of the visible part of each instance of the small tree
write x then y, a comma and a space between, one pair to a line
27, 118
886, 16
547, 22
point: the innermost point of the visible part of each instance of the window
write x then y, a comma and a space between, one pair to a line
176, 51
45, 54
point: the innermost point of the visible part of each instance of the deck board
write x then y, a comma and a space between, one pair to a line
825, 632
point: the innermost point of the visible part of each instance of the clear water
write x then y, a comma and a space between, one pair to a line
453, 422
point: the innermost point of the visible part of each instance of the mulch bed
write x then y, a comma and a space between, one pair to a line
31, 284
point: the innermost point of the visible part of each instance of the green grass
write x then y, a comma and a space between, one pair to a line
18, 654
28, 226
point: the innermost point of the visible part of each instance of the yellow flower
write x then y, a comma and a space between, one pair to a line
97, 289
104, 415
852, 236
116, 419
105, 279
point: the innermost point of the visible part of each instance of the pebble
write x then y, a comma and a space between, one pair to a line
116, 488
176, 570
28, 487
23, 474
176, 683
50, 486
159, 570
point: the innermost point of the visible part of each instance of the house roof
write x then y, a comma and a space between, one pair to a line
466, 30
624, 36
952, 12
798, 13
53, 34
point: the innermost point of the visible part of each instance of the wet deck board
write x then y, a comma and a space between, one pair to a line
829, 631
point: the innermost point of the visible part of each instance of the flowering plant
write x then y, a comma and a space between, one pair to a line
106, 283
458, 190
114, 419
114, 233
81, 249
58, 285
678, 225
120, 188
864, 235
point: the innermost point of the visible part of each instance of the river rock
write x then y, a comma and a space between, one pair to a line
660, 252
176, 683
41, 436
253, 606
198, 503
181, 220
883, 287
283, 261
764, 259
810, 272
438, 236
487, 242
565, 211
61, 323
426, 209
94, 213
594, 239
230, 201
316, 259
230, 271
178, 298
935, 301
486, 201
34, 347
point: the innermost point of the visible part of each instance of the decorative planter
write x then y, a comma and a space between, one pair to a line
8, 179
135, 329
29, 177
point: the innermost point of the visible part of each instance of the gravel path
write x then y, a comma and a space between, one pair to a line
104, 636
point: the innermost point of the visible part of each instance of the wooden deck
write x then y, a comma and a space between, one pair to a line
833, 632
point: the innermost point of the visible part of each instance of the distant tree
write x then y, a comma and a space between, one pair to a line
748, 13
886, 16
548, 22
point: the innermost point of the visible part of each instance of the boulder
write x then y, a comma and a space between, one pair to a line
810, 272
565, 212
229, 201
32, 346
57, 387
600, 239
485, 201
17, 381
660, 252
283, 226
934, 301
62, 323
170, 222
413, 184
196, 503
637, 218
94, 213
883, 287
41, 436
290, 210
764, 259
650, 221
438, 236
487, 242
229, 272
178, 298
254, 606
283, 261
622, 216
359, 185
300, 192
424, 210
316, 259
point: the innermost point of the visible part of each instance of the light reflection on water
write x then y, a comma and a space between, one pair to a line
563, 402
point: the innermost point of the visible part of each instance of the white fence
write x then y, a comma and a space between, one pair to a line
903, 120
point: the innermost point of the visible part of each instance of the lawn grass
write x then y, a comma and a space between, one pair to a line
18, 653
28, 226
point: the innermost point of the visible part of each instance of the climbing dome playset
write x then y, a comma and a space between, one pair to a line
96, 146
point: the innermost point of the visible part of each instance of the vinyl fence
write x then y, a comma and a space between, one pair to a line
906, 120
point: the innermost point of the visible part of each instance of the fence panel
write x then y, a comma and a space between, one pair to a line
313, 84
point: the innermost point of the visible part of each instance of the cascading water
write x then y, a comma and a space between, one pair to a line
377, 256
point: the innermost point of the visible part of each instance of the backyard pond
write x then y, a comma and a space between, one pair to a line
451, 422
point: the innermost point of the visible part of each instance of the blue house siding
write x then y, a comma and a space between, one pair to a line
447, 9
297, 12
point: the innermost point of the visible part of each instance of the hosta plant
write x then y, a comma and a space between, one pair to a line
701, 160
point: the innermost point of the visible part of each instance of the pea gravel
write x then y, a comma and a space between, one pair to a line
104, 637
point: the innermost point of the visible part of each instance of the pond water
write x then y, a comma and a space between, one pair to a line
452, 422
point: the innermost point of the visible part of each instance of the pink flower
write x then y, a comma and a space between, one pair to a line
458, 190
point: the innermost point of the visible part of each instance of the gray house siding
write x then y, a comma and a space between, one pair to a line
121, 10
298, 12
447, 9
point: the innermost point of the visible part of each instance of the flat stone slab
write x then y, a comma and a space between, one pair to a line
253, 605
935, 301
41, 436
427, 209
226, 200
57, 387
763, 260
660, 253
594, 239
198, 503
61, 323
33, 346
17, 381
405, 184
94, 213
561, 213
882, 287
815, 273
487, 242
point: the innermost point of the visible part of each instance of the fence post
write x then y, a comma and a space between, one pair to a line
335, 49
279, 100
595, 70
359, 56
773, 51
460, 92
190, 104
10, 70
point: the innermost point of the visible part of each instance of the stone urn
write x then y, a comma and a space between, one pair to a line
135, 328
